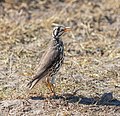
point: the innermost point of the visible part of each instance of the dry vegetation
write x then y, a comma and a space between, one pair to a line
92, 50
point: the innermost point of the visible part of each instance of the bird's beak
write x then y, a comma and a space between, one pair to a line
67, 29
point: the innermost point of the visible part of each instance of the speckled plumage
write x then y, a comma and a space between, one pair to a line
52, 59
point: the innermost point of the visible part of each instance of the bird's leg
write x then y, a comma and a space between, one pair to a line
50, 86
53, 84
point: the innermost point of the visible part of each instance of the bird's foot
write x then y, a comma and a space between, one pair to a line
50, 95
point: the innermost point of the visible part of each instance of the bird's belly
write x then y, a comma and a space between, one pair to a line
56, 66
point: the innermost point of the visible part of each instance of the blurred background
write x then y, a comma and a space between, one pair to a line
92, 49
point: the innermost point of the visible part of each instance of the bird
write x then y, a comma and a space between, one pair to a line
51, 60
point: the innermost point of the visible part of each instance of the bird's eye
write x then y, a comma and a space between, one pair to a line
62, 29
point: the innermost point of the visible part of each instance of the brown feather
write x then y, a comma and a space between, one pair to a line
46, 62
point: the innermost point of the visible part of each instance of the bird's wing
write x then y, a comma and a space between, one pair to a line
46, 63
48, 59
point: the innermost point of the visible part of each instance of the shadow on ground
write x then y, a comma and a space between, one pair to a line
105, 99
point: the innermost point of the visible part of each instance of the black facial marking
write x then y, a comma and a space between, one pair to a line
54, 32
58, 30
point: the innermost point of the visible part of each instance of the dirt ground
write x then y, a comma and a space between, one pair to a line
88, 84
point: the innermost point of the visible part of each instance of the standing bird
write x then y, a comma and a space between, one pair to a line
51, 60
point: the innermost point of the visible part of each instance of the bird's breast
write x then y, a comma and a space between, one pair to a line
58, 61
61, 49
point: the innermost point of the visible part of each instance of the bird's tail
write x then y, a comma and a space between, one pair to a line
32, 83
35, 80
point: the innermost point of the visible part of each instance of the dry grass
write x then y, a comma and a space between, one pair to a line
92, 49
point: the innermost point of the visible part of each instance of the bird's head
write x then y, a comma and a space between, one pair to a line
60, 30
